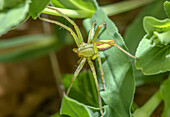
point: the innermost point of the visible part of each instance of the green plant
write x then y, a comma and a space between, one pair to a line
88, 51
154, 48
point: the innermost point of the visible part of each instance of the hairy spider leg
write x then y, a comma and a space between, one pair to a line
72, 22
78, 62
126, 52
97, 85
100, 65
96, 50
64, 26
112, 43
97, 31
76, 74
90, 37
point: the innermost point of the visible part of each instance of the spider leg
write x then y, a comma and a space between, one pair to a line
100, 64
91, 32
76, 74
96, 51
72, 22
97, 85
126, 52
64, 26
78, 62
114, 44
97, 31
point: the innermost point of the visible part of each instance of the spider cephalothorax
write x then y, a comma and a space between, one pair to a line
88, 51
85, 50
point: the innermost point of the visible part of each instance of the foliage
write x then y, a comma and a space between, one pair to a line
83, 89
166, 7
36, 7
88, 5
165, 87
154, 47
75, 109
122, 70
135, 31
17, 14
73, 8
25, 47
153, 52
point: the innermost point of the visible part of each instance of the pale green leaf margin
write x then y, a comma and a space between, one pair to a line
13, 17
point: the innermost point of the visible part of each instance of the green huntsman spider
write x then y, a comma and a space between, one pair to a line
88, 51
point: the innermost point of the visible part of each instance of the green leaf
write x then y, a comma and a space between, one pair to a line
152, 60
164, 89
37, 6
8, 4
135, 31
168, 56
167, 8
117, 68
158, 31
152, 24
141, 79
1, 4
62, 34
58, 115
57, 3
75, 109
87, 5
84, 89
25, 47
147, 109
13, 17
156, 48
73, 8
163, 38
110, 112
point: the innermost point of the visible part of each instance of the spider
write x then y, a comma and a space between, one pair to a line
88, 51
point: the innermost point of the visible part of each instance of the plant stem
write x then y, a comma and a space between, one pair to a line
147, 109
110, 10
56, 71
54, 63
124, 6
